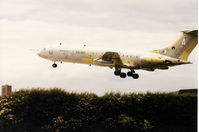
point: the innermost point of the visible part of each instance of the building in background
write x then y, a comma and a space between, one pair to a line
6, 90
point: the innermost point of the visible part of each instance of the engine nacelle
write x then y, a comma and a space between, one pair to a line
151, 59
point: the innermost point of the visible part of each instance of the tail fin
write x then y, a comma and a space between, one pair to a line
182, 47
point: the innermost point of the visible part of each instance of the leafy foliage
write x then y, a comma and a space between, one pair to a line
57, 110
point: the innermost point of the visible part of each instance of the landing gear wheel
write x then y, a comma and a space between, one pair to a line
135, 76
123, 75
54, 65
129, 73
117, 73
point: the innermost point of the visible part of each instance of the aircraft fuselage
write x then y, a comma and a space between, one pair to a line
133, 60
175, 54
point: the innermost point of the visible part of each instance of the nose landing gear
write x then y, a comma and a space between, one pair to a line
54, 65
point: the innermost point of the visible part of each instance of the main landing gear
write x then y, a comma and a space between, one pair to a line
129, 74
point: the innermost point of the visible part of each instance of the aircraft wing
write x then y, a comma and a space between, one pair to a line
114, 59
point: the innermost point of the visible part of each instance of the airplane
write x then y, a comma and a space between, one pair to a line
173, 55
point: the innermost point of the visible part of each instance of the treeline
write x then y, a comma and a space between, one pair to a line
57, 110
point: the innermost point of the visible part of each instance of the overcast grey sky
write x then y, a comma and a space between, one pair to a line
116, 24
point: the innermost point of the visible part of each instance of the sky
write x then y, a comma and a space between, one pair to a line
111, 24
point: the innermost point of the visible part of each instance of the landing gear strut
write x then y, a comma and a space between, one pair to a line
54, 65
117, 71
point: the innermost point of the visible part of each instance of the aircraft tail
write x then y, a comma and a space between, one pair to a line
182, 47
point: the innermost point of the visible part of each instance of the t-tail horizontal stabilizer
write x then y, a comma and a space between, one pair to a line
182, 47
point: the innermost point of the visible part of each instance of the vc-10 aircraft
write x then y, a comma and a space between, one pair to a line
175, 54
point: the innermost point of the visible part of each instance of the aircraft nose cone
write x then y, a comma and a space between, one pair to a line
39, 53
